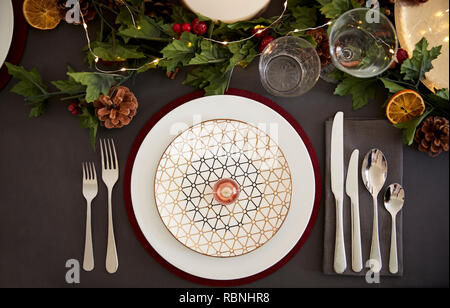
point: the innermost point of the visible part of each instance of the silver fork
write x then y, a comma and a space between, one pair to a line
90, 190
110, 175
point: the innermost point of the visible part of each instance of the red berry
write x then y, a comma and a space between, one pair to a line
72, 107
176, 28
264, 42
195, 22
200, 28
401, 56
186, 27
75, 112
259, 32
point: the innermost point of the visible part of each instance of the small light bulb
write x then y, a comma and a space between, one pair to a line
224, 42
85, 25
96, 59
123, 69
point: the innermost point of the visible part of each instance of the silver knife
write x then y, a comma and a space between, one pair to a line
351, 188
337, 187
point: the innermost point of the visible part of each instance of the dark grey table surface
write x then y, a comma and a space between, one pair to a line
42, 210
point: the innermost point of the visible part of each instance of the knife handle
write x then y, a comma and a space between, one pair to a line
340, 262
357, 263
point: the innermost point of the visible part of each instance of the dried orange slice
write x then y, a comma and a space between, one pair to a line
41, 14
404, 106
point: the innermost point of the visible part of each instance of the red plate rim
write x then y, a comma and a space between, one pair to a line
129, 207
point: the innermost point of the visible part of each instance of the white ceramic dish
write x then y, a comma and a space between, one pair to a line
228, 11
6, 28
142, 183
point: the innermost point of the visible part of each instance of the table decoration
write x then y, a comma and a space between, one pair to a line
130, 43
160, 243
429, 20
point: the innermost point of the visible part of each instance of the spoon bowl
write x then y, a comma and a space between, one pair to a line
393, 202
374, 173
394, 198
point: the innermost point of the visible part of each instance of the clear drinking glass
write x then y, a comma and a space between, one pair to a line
289, 66
363, 42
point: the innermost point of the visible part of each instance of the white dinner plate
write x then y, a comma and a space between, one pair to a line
143, 176
6, 28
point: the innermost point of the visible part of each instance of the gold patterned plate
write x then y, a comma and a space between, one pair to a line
430, 20
200, 157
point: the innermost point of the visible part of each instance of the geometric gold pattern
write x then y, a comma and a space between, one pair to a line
196, 160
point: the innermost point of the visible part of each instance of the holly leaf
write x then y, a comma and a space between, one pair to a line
69, 86
391, 86
210, 52
182, 50
415, 67
145, 29
361, 90
332, 9
96, 83
409, 128
305, 17
243, 54
442, 93
211, 78
31, 86
117, 52
88, 119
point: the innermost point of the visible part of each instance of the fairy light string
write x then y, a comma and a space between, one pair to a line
156, 61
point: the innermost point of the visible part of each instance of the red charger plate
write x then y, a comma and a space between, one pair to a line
129, 207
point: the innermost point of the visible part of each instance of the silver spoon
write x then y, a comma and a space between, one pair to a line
374, 173
393, 202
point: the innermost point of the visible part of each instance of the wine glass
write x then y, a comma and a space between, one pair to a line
363, 42
289, 66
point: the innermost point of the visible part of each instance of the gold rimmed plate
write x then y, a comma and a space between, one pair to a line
203, 155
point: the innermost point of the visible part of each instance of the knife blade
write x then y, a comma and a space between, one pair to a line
351, 188
337, 187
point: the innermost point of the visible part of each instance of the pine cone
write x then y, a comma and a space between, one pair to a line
323, 45
158, 9
116, 111
86, 6
432, 136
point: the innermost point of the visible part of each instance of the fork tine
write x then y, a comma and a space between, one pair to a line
110, 158
84, 171
116, 162
94, 172
102, 154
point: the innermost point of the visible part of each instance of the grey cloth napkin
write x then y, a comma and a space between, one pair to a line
364, 135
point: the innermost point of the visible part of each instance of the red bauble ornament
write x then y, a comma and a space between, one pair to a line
186, 27
200, 28
195, 22
176, 28
259, 32
264, 42
401, 56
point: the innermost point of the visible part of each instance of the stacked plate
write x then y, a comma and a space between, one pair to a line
6, 28
172, 175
